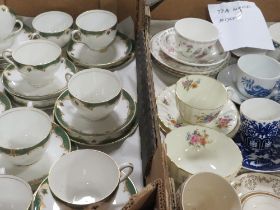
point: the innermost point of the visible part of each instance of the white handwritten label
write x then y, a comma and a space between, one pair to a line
240, 24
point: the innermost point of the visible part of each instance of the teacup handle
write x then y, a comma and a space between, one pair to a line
20, 27
68, 76
35, 35
74, 34
6, 53
124, 166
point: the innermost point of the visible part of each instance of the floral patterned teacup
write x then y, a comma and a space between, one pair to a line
200, 99
195, 36
96, 29
257, 75
260, 123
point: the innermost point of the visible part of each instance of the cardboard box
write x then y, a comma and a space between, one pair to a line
176, 9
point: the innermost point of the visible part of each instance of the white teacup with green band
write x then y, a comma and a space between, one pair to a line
7, 23
87, 179
54, 26
24, 134
36, 60
94, 92
96, 28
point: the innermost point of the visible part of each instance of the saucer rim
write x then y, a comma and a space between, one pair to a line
68, 64
6, 101
128, 53
37, 200
61, 122
166, 130
184, 61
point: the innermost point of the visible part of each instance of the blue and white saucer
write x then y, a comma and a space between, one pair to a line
228, 77
260, 161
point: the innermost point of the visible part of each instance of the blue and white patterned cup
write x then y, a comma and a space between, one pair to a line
257, 75
260, 123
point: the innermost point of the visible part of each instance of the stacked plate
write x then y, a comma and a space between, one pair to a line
22, 93
166, 54
113, 129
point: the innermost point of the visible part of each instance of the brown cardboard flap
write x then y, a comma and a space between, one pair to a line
123, 8
176, 9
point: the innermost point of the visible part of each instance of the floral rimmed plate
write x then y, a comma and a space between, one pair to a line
114, 55
256, 160
15, 85
96, 132
228, 77
258, 191
170, 119
212, 56
34, 174
43, 199
179, 69
5, 103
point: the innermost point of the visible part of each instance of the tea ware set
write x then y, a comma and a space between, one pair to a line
89, 109
208, 139
180, 52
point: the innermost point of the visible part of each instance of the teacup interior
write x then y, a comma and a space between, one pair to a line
196, 29
259, 66
201, 92
84, 177
36, 52
94, 86
261, 109
96, 20
207, 191
23, 128
52, 22
15, 194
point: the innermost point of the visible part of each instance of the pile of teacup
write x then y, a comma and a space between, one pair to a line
81, 179
190, 47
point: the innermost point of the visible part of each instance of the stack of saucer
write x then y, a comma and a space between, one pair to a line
99, 45
36, 74
183, 52
95, 110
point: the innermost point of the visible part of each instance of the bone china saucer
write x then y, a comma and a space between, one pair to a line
213, 56
34, 174
258, 191
15, 85
115, 54
44, 199
95, 132
170, 117
258, 160
228, 76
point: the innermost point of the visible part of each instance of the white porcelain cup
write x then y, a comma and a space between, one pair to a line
208, 191
95, 92
24, 134
200, 99
96, 28
86, 178
15, 193
7, 23
194, 35
36, 60
54, 26
257, 75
